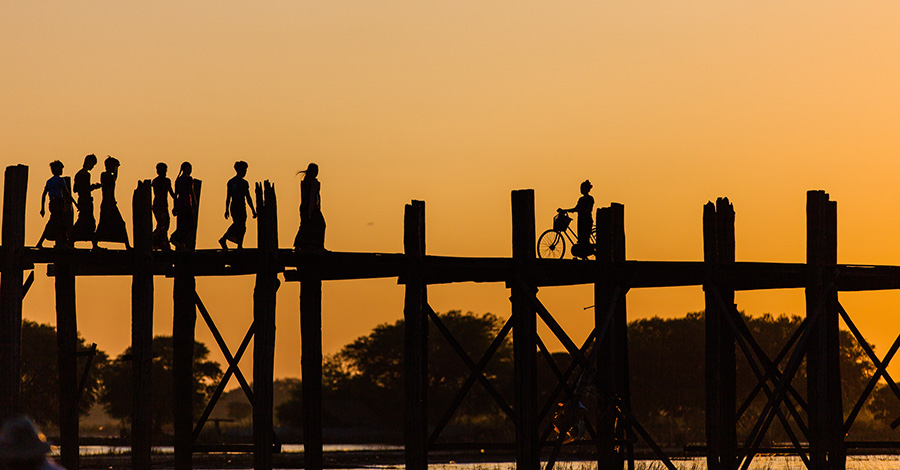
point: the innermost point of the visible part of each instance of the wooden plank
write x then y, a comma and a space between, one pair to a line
11, 290
525, 333
264, 321
142, 327
183, 325
415, 363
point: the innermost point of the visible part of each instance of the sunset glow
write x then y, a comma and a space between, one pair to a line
662, 105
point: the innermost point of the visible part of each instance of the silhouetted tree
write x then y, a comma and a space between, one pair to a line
367, 374
40, 389
118, 376
667, 372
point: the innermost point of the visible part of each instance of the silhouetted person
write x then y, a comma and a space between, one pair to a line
23, 447
86, 225
311, 235
583, 208
184, 209
111, 227
238, 191
60, 196
162, 189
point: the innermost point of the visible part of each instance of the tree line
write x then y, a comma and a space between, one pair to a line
363, 382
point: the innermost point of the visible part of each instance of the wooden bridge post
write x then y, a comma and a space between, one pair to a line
67, 352
184, 292
311, 367
264, 321
826, 439
721, 421
142, 327
612, 359
525, 332
415, 357
192, 237
183, 325
11, 291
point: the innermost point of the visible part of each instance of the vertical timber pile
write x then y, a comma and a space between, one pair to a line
11, 290
415, 355
185, 306
612, 358
192, 237
67, 351
142, 327
264, 321
184, 293
311, 363
525, 332
718, 254
826, 440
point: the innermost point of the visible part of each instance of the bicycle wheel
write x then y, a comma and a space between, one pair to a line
551, 245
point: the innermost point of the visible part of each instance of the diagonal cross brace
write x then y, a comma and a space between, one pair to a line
793, 365
554, 326
881, 368
581, 352
743, 336
233, 365
469, 362
777, 361
473, 377
27, 285
562, 380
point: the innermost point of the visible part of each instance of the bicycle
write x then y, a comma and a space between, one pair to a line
552, 243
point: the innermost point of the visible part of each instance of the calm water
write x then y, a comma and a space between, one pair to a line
873, 462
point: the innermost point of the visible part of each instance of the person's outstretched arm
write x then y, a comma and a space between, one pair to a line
250, 201
43, 200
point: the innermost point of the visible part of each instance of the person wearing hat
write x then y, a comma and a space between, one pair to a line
583, 208
23, 447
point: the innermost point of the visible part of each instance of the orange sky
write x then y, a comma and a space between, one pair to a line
663, 105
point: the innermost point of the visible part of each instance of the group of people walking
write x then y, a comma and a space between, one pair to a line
111, 226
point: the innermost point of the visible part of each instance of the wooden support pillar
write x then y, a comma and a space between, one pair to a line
192, 238
612, 358
67, 351
142, 327
525, 332
183, 324
415, 356
11, 291
264, 321
311, 371
826, 439
721, 420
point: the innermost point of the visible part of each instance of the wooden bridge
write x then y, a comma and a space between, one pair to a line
814, 422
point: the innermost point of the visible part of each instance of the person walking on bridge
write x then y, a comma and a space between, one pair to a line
86, 225
238, 191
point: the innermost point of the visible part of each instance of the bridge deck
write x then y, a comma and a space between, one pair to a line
446, 269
